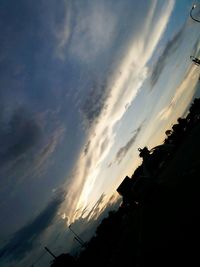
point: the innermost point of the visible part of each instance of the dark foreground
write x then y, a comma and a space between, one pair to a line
163, 228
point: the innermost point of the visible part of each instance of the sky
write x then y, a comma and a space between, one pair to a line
83, 85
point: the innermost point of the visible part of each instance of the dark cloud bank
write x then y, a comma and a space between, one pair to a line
124, 149
18, 135
169, 49
93, 105
26, 238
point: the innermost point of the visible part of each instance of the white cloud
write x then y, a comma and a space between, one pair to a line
92, 31
124, 88
89, 30
182, 90
63, 33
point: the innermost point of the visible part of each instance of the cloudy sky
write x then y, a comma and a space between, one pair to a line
83, 84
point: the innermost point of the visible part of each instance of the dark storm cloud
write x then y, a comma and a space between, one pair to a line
27, 140
18, 135
94, 104
27, 54
26, 238
169, 49
87, 146
124, 150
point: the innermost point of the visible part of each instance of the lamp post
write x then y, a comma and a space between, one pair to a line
193, 7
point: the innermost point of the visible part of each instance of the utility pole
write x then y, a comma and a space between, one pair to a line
51, 253
82, 244
77, 238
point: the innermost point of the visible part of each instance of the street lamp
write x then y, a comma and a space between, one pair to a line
193, 7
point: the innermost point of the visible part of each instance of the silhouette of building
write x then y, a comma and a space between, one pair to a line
64, 260
125, 190
124, 187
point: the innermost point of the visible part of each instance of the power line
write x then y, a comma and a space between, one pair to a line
50, 252
80, 240
39, 258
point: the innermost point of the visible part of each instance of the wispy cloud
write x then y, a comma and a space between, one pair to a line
186, 90
86, 31
93, 105
63, 31
169, 49
123, 89
41, 161
124, 149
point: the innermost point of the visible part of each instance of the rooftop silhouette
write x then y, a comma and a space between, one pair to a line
157, 222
